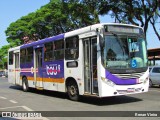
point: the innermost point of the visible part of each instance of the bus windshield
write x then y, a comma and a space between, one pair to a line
124, 52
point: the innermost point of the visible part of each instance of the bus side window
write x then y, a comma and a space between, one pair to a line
59, 50
29, 54
23, 56
48, 51
72, 48
10, 58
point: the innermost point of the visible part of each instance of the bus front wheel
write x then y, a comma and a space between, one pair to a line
25, 84
150, 83
72, 90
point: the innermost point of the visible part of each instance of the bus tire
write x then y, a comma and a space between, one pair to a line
25, 84
72, 90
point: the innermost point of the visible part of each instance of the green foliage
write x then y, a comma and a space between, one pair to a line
137, 12
56, 17
60, 16
4, 56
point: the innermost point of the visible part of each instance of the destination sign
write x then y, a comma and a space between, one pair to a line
122, 29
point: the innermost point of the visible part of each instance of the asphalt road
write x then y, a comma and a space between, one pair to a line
12, 98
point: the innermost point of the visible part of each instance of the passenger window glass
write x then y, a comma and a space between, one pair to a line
48, 51
29, 54
58, 50
26, 55
23, 56
72, 48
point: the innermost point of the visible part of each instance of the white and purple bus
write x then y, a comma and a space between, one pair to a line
100, 60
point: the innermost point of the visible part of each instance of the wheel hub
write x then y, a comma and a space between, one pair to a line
72, 90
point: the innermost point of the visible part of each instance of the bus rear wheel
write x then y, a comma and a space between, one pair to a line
25, 84
72, 90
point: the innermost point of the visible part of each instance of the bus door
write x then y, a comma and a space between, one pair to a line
90, 65
38, 71
17, 68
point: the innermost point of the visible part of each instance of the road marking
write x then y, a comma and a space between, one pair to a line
9, 107
12, 101
3, 98
27, 108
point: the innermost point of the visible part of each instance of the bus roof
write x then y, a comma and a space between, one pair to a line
94, 27
39, 42
71, 33
14, 49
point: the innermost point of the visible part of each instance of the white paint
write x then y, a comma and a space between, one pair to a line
3, 98
12, 101
27, 108
9, 107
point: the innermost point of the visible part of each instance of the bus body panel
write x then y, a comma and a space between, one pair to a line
75, 72
13, 68
108, 89
53, 75
50, 74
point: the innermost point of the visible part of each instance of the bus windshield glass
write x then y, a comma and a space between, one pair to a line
124, 52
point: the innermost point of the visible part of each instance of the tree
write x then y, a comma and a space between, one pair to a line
3, 56
137, 12
93, 7
153, 21
58, 16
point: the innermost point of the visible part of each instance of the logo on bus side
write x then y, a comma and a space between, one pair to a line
53, 69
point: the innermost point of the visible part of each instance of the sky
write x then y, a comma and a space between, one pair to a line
12, 10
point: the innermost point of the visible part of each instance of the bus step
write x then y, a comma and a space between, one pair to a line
89, 94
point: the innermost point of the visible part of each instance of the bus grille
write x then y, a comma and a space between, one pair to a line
127, 76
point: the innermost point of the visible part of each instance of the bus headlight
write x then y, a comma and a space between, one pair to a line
142, 80
108, 82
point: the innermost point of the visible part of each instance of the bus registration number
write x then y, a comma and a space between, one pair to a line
131, 90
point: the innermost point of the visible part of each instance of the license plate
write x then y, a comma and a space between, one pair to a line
131, 90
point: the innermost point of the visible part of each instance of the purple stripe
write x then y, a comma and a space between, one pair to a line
120, 81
